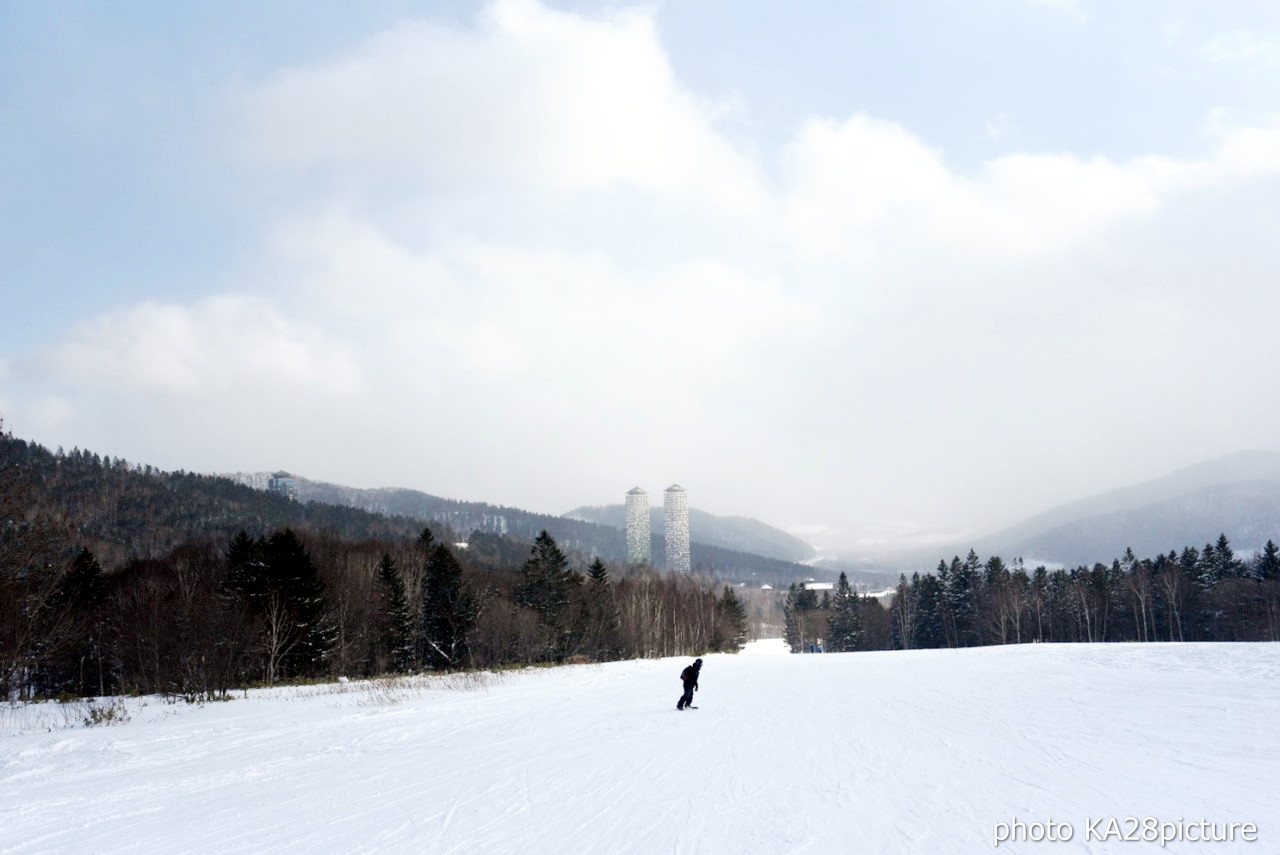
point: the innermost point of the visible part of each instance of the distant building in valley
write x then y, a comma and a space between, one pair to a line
282, 484
676, 505
637, 527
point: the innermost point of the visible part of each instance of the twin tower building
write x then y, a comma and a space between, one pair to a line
676, 504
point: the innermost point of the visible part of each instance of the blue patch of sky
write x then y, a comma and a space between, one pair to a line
1119, 81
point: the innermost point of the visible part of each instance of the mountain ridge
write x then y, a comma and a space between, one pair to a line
1249, 465
584, 536
1236, 494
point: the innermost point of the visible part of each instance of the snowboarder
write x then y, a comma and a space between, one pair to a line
689, 676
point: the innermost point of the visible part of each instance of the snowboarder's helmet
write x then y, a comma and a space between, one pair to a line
697, 663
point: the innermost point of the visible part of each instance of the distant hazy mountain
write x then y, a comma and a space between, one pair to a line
579, 535
1238, 495
738, 533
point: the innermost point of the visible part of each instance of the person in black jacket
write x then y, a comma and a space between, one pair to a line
689, 676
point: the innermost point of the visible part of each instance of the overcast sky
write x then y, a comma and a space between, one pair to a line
887, 266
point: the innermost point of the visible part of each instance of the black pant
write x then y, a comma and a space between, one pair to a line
686, 700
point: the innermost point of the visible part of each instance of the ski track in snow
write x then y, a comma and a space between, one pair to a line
882, 752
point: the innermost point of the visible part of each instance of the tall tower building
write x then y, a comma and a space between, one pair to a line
637, 527
676, 505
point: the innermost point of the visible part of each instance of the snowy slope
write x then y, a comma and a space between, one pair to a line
906, 752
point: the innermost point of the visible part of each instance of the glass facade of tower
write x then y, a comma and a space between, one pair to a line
637, 527
676, 505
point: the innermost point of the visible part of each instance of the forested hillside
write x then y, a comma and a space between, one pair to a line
123, 510
119, 578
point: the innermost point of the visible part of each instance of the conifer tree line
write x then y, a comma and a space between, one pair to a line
1206, 594
839, 622
200, 621
117, 580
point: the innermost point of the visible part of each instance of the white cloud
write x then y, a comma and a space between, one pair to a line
532, 98
1245, 151
505, 310
48, 414
581, 278
870, 192
219, 344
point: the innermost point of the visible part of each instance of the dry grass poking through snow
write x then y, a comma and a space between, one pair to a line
17, 717
391, 690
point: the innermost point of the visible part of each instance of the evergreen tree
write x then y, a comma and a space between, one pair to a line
734, 617
426, 542
448, 611
791, 621
806, 599
844, 626
928, 623
996, 571
546, 586
946, 575
1267, 567
1228, 565
1038, 597
80, 598
276, 579
545, 580
245, 567
960, 599
294, 580
603, 620
1189, 564
902, 628
84, 586
397, 623
1210, 567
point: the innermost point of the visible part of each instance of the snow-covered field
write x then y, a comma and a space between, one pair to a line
907, 752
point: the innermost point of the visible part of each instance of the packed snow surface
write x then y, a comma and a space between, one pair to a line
886, 752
